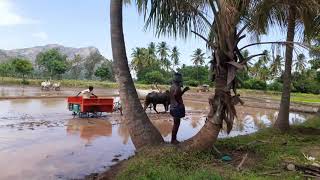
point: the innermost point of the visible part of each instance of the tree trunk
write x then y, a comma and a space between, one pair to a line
141, 129
208, 134
282, 121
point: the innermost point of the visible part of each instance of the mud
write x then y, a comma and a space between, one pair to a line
41, 139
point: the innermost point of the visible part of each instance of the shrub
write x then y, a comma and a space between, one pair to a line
193, 83
255, 84
154, 77
275, 86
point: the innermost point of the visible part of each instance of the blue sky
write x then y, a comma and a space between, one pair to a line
80, 23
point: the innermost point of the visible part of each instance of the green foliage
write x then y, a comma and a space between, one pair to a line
306, 82
90, 63
53, 62
266, 150
22, 66
275, 86
103, 73
194, 76
154, 77
255, 84
6, 69
75, 69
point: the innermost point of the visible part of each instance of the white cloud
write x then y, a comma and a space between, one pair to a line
8, 16
40, 35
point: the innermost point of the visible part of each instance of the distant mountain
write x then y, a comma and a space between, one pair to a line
31, 53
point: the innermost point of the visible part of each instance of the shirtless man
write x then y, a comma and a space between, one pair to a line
177, 109
87, 93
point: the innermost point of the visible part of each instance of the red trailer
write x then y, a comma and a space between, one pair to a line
94, 105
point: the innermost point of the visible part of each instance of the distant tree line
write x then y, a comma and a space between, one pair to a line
267, 73
157, 63
52, 64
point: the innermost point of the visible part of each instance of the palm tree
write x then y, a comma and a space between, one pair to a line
163, 52
152, 53
221, 34
138, 59
300, 64
198, 59
140, 127
288, 14
276, 65
175, 54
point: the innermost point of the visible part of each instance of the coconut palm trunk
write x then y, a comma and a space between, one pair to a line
282, 121
141, 129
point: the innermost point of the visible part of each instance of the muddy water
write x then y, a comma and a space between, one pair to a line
41, 139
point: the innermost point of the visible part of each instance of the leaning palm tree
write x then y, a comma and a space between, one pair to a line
218, 23
142, 131
198, 60
300, 64
163, 52
175, 54
288, 14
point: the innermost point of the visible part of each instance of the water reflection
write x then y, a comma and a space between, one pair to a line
89, 129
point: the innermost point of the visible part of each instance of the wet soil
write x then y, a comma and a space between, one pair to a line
41, 139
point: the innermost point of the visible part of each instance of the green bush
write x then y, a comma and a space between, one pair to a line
193, 83
306, 86
275, 86
154, 77
255, 84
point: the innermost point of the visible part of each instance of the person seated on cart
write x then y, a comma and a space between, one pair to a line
87, 93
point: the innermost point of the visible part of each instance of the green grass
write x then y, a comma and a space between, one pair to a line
269, 154
295, 97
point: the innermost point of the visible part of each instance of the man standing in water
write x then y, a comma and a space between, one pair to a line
177, 109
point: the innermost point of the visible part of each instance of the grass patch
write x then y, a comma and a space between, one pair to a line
268, 150
295, 97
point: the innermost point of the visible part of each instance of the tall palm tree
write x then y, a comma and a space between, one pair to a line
222, 35
138, 59
163, 52
152, 52
175, 54
288, 14
198, 60
300, 64
276, 65
140, 127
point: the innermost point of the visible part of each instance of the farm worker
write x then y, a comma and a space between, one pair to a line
87, 93
177, 108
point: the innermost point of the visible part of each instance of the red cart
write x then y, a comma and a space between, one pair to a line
93, 106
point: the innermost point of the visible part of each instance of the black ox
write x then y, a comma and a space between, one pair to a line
155, 98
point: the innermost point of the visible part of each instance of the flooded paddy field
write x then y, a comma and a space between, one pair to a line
40, 139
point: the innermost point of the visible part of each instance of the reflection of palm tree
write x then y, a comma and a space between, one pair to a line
164, 126
195, 121
124, 132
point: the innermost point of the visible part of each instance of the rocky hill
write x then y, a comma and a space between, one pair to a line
31, 53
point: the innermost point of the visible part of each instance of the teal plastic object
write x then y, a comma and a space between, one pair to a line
226, 158
76, 108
